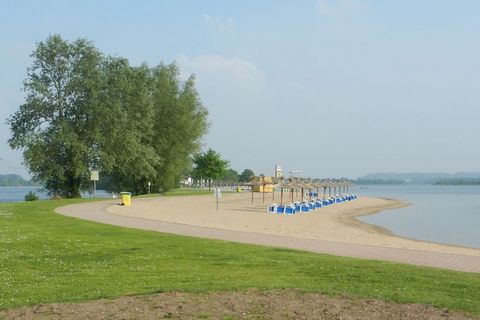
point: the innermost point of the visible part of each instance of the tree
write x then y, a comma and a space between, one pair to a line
209, 166
230, 175
180, 122
53, 126
246, 175
86, 111
125, 127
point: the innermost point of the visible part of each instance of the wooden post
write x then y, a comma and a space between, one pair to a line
263, 192
252, 194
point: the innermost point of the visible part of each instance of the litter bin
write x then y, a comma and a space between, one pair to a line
126, 197
238, 189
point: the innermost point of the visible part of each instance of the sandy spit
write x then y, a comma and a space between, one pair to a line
237, 213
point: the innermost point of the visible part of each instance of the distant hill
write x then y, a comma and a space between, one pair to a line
13, 180
419, 178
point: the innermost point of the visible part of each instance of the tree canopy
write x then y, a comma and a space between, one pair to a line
209, 166
84, 110
246, 175
230, 175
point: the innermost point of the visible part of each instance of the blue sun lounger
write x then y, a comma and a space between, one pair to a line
304, 207
290, 209
297, 206
272, 208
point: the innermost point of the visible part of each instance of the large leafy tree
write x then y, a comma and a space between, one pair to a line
180, 120
124, 126
53, 126
85, 111
209, 166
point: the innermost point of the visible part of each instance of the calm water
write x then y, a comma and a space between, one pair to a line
16, 194
446, 214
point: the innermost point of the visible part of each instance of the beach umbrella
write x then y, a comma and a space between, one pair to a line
317, 185
282, 185
293, 186
310, 186
302, 186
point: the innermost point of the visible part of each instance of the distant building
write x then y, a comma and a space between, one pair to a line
278, 172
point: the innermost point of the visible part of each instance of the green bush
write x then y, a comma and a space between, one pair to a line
31, 196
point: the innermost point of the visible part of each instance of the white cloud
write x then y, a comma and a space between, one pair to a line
219, 24
221, 70
338, 7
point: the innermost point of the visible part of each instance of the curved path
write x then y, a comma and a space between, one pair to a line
96, 211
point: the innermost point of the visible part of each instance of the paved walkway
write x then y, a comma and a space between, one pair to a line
96, 211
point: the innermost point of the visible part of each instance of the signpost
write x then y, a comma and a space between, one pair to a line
218, 194
94, 176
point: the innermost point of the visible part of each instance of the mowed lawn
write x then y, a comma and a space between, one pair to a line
46, 257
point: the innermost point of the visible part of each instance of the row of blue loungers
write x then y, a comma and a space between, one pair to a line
307, 206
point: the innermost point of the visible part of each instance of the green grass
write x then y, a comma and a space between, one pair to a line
46, 257
181, 192
177, 192
191, 192
187, 192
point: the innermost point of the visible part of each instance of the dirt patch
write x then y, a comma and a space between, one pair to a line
250, 304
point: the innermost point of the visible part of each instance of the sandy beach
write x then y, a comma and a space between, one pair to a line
236, 213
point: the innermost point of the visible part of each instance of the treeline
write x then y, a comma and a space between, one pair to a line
231, 175
13, 180
378, 182
87, 111
458, 182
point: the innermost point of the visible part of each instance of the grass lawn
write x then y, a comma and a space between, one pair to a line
177, 192
46, 257
191, 192
187, 192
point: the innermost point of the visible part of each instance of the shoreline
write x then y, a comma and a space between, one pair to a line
311, 232
336, 223
385, 231
353, 221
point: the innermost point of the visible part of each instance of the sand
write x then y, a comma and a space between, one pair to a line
236, 213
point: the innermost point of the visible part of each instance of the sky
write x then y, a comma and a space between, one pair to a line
333, 88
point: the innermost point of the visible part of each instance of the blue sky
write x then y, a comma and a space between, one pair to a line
330, 87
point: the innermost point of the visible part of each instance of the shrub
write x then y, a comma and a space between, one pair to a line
31, 196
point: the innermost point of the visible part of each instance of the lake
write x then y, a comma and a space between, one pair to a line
16, 194
445, 214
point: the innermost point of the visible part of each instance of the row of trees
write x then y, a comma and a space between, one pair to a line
210, 166
233, 176
84, 111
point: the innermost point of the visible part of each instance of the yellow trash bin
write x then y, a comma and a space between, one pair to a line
126, 198
238, 189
